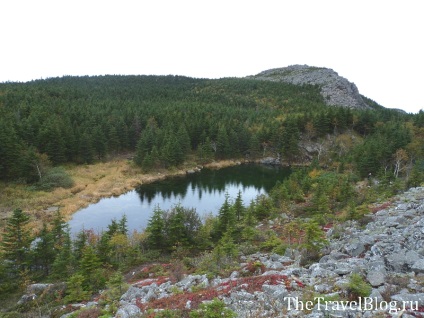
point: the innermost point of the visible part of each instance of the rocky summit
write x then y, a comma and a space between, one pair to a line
336, 90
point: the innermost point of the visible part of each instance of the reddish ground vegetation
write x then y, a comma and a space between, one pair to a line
381, 207
248, 284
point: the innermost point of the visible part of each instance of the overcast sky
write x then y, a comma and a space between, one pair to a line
376, 44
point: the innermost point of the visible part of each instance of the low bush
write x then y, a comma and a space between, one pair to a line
54, 178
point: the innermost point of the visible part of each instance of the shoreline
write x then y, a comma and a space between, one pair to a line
92, 183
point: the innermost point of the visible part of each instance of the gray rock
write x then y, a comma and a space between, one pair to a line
335, 89
376, 278
418, 266
132, 293
128, 311
26, 299
412, 257
408, 298
270, 161
375, 294
355, 248
275, 291
323, 288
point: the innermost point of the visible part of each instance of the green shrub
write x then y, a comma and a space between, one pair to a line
54, 178
214, 309
357, 287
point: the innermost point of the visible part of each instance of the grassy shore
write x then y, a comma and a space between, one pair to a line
92, 183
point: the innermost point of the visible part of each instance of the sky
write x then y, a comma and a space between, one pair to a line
375, 44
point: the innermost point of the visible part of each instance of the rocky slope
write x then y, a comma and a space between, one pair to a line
336, 90
388, 252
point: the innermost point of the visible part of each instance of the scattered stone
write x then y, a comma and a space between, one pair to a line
128, 311
376, 278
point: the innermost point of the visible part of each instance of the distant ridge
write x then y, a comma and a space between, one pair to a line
336, 90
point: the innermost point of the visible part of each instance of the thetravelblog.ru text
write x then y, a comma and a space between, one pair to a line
363, 304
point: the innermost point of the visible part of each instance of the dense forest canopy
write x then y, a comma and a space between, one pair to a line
352, 158
165, 118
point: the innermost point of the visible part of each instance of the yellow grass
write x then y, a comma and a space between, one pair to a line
92, 183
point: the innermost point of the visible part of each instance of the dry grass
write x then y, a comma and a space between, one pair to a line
92, 183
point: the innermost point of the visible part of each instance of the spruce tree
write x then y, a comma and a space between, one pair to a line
44, 252
63, 265
155, 230
226, 217
238, 206
16, 241
223, 143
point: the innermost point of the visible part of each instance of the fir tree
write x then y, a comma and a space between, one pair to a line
63, 265
44, 253
155, 230
16, 241
226, 217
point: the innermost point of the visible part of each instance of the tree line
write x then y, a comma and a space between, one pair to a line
164, 119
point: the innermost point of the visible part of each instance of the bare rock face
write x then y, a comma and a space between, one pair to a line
336, 90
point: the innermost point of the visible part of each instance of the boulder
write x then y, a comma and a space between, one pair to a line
376, 278
128, 311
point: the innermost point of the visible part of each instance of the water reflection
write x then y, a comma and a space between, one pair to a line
204, 191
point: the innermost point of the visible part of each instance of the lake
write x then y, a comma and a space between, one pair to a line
205, 191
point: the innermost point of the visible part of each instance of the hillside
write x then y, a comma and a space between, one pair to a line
163, 119
335, 90
331, 217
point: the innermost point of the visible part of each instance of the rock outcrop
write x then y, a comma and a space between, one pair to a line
388, 253
336, 90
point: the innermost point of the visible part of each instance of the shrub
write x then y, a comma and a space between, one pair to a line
357, 287
54, 178
214, 309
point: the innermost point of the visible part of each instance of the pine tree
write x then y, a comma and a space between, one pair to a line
63, 265
155, 229
44, 253
86, 148
100, 143
223, 144
113, 140
254, 147
90, 269
226, 217
291, 136
75, 290
184, 139
238, 207
10, 152
16, 241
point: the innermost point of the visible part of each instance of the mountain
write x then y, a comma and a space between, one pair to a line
336, 90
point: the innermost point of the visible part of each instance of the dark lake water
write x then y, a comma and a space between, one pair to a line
205, 191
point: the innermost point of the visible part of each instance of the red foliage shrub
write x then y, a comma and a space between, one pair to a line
249, 284
381, 207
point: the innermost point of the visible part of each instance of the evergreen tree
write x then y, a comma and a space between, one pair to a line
184, 139
44, 252
226, 217
223, 143
239, 207
100, 143
89, 268
16, 241
63, 265
75, 290
254, 147
291, 136
113, 140
155, 230
86, 148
